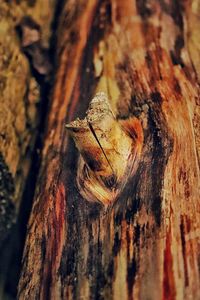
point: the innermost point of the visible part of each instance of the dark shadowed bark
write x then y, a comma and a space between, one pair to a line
20, 111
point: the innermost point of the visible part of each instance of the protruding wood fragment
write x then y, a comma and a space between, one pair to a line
108, 151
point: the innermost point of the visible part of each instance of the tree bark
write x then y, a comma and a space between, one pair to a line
19, 116
19, 98
145, 243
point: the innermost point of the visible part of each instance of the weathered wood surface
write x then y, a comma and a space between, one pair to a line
19, 102
144, 55
20, 108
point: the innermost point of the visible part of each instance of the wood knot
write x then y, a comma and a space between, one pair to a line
109, 151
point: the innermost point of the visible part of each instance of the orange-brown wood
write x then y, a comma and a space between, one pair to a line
146, 246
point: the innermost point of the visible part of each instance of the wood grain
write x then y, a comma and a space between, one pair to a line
147, 245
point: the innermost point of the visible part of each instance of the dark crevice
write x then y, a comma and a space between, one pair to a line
7, 209
28, 195
183, 242
18, 233
144, 8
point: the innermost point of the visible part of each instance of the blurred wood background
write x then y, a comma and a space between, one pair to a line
145, 56
21, 105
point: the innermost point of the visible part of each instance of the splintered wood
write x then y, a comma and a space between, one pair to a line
109, 152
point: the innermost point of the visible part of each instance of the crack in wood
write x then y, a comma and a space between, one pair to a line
98, 138
95, 136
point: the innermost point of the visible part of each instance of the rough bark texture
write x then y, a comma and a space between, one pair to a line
145, 56
19, 98
19, 115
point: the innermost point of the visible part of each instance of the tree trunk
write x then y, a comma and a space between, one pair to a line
19, 116
19, 98
142, 242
